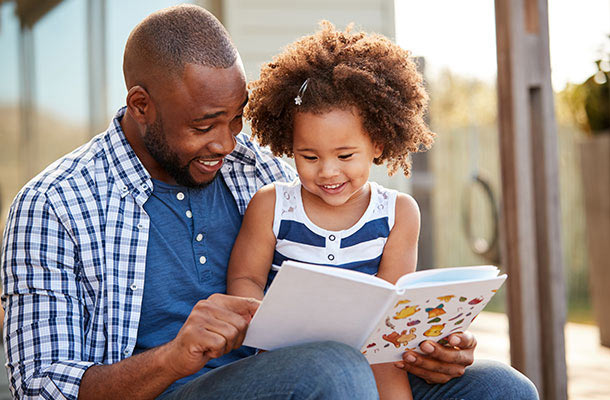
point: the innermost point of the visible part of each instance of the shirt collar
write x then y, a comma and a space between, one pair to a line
129, 172
130, 176
242, 153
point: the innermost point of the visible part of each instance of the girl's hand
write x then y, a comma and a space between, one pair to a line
441, 363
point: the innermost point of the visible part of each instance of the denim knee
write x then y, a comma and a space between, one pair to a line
335, 371
325, 370
497, 380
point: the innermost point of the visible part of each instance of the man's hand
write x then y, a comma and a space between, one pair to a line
441, 363
215, 326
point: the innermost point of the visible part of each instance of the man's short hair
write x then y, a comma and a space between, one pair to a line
165, 41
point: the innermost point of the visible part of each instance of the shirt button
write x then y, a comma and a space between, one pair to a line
126, 352
180, 196
140, 226
189, 214
133, 287
331, 237
202, 259
124, 188
144, 186
331, 257
199, 237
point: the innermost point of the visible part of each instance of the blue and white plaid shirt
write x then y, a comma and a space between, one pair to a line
74, 257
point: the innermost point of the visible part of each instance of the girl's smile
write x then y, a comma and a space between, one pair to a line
333, 155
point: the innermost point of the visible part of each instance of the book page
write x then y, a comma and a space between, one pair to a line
427, 313
345, 273
313, 303
442, 276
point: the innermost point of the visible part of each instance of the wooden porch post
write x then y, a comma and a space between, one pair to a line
531, 243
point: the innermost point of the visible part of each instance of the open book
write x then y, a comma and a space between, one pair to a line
308, 303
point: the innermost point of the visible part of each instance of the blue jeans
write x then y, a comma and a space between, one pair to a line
329, 370
326, 370
483, 380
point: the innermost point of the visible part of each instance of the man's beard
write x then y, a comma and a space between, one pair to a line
156, 144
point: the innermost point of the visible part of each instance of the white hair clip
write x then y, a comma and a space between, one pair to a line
299, 99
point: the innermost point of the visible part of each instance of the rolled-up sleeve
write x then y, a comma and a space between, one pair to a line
43, 326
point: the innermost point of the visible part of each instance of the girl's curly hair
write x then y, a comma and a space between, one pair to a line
345, 69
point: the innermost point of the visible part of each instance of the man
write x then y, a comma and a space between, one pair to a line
114, 257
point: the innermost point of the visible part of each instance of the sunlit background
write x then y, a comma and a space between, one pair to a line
65, 100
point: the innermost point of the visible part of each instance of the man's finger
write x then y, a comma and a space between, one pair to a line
241, 305
445, 354
431, 370
429, 376
213, 345
235, 310
463, 340
432, 366
229, 332
206, 311
213, 317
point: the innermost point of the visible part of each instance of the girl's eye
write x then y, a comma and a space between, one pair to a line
310, 158
345, 156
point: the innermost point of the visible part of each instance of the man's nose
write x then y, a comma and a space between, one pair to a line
223, 143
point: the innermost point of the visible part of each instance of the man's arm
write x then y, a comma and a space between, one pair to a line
44, 320
214, 327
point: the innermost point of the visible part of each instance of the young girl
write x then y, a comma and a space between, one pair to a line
337, 102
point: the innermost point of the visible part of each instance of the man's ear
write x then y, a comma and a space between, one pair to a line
140, 105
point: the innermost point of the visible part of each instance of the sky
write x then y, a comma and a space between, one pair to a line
455, 34
460, 35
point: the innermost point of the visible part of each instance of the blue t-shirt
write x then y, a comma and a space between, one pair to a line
192, 232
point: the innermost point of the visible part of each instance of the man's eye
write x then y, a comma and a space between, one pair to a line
238, 120
345, 156
204, 130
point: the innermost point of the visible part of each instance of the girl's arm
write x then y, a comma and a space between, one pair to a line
400, 251
252, 252
399, 258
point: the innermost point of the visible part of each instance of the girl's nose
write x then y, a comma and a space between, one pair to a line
328, 169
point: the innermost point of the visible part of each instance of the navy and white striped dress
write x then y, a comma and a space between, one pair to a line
358, 248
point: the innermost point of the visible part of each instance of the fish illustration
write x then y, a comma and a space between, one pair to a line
476, 301
406, 312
